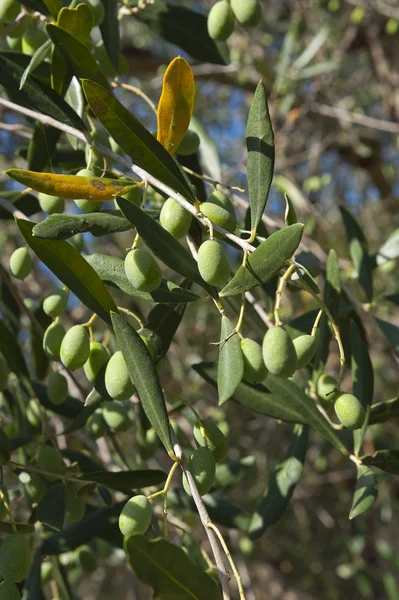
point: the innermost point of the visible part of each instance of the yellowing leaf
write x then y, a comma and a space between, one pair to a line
176, 104
71, 187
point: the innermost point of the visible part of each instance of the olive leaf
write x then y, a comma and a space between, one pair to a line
365, 493
231, 361
363, 381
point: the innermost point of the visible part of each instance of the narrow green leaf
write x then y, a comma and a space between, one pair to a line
110, 31
71, 268
6, 527
11, 351
161, 326
386, 460
42, 146
383, 411
64, 226
37, 95
111, 270
231, 362
389, 250
208, 151
363, 381
303, 279
54, 7
86, 411
126, 481
290, 214
260, 146
391, 332
70, 409
144, 377
168, 570
281, 484
135, 139
365, 493
77, 55
38, 57
331, 297
162, 243
266, 261
358, 251
282, 399
188, 30
51, 508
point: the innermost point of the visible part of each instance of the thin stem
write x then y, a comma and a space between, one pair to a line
48, 473
165, 490
132, 314
316, 323
213, 181
196, 414
242, 309
279, 293
230, 559
138, 92
3, 498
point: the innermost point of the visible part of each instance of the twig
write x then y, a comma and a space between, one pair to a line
343, 114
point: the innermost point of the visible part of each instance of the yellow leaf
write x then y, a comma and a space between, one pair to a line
176, 104
71, 187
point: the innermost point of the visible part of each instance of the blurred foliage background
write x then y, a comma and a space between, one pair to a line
331, 68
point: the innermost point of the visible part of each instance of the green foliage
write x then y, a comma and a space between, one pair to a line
15, 557
189, 144
49, 459
9, 591
4, 373
214, 439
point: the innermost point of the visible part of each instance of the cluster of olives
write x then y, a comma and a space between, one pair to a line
15, 559
224, 14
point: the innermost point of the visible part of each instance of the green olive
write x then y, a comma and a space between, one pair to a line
57, 388
20, 263
175, 219
33, 413
9, 591
142, 270
117, 378
325, 388
247, 12
349, 411
115, 415
215, 439
15, 557
221, 21
189, 144
50, 459
87, 559
135, 195
98, 356
219, 215
52, 340
95, 426
75, 347
55, 303
213, 263
51, 204
136, 515
279, 352
85, 204
255, 370
305, 348
202, 466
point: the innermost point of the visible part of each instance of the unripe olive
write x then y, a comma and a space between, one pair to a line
142, 270
85, 204
97, 358
32, 39
57, 388
116, 416
247, 13
150, 444
3, 509
216, 440
4, 373
136, 515
349, 411
87, 559
279, 352
217, 197
9, 591
15, 557
213, 263
77, 242
189, 144
50, 459
55, 303
20, 263
221, 21
75, 506
175, 219
203, 468
325, 388
9, 11
52, 340
117, 379
305, 348
33, 413
51, 204
75, 347
95, 426
97, 9
219, 215
135, 195
35, 486
255, 369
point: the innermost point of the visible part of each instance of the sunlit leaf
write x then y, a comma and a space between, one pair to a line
231, 362
260, 162
176, 104
64, 226
51, 508
266, 261
110, 31
386, 460
358, 251
391, 332
365, 493
383, 411
331, 297
363, 381
37, 58
290, 214
126, 481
